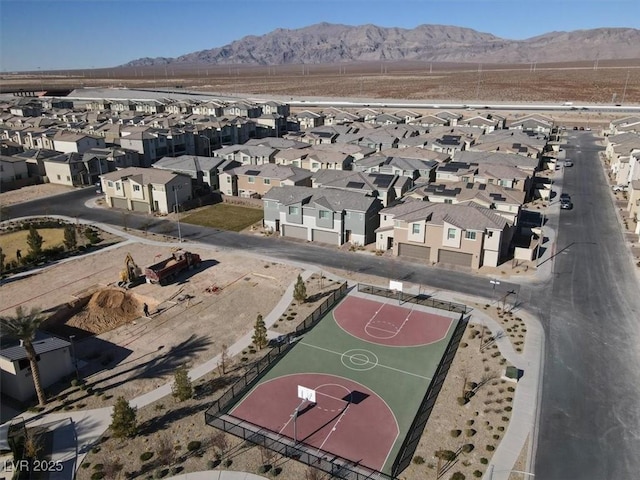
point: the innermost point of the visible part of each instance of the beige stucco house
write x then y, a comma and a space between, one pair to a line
148, 190
460, 234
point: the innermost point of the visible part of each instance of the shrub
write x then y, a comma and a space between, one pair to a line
468, 447
193, 445
264, 468
490, 448
477, 473
484, 461
227, 463
98, 466
418, 460
75, 382
146, 456
211, 464
275, 471
455, 433
99, 475
458, 476
161, 473
462, 400
86, 465
182, 389
470, 432
501, 428
470, 422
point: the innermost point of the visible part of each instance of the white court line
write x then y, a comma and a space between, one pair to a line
333, 429
382, 330
395, 334
379, 364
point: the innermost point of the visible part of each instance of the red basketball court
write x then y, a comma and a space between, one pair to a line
388, 324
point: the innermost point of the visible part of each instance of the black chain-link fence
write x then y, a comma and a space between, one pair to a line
419, 299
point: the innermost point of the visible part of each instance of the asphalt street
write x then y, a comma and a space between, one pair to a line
590, 412
589, 424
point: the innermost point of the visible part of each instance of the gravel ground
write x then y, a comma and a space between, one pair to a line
32, 192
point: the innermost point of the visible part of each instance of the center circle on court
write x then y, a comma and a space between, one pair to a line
359, 359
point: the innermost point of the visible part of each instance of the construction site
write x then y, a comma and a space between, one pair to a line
137, 311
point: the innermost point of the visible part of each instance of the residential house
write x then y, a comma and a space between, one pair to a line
34, 159
385, 187
325, 215
254, 181
68, 142
633, 204
451, 118
148, 190
485, 124
202, 170
242, 109
247, 154
506, 202
74, 169
275, 108
412, 168
54, 359
533, 123
114, 157
12, 169
527, 164
626, 124
466, 235
307, 119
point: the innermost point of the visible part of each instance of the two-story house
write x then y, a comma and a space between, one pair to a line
466, 235
254, 181
148, 190
325, 215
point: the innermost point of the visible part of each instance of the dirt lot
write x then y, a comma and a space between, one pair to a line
32, 192
187, 325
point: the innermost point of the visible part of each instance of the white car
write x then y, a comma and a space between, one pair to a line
568, 163
620, 188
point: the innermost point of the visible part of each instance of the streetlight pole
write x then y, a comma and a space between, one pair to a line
175, 192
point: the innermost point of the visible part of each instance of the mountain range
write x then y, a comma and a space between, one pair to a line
326, 43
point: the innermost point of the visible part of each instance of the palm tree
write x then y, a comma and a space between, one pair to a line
23, 327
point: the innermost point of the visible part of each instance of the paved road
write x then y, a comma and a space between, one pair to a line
590, 415
590, 411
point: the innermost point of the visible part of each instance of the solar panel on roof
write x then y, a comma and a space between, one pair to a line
252, 172
482, 186
382, 181
355, 184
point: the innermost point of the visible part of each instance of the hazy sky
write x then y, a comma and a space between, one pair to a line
64, 34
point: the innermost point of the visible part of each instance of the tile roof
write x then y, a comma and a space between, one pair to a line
335, 199
466, 216
144, 176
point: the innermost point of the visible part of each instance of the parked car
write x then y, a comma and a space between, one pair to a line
620, 188
568, 163
566, 204
565, 197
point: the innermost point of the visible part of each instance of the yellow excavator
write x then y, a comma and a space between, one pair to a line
131, 275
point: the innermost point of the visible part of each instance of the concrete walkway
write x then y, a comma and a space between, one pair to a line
91, 424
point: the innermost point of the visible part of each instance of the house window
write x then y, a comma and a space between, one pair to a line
136, 188
415, 228
251, 179
58, 177
384, 218
267, 181
465, 179
451, 233
323, 214
228, 179
109, 183
489, 234
470, 235
448, 200
491, 180
294, 210
68, 178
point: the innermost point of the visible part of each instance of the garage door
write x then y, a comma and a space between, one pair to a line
120, 203
455, 258
294, 232
323, 236
140, 206
414, 251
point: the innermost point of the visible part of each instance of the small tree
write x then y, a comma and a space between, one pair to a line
260, 333
2, 257
300, 290
124, 421
182, 388
34, 241
70, 239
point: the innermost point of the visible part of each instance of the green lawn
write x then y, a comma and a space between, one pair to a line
225, 217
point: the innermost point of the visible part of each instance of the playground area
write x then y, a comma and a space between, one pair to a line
345, 390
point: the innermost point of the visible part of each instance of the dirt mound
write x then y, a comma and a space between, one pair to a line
107, 309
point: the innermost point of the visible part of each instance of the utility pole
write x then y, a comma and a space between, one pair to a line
624, 92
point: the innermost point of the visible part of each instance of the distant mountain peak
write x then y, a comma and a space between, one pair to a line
335, 43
